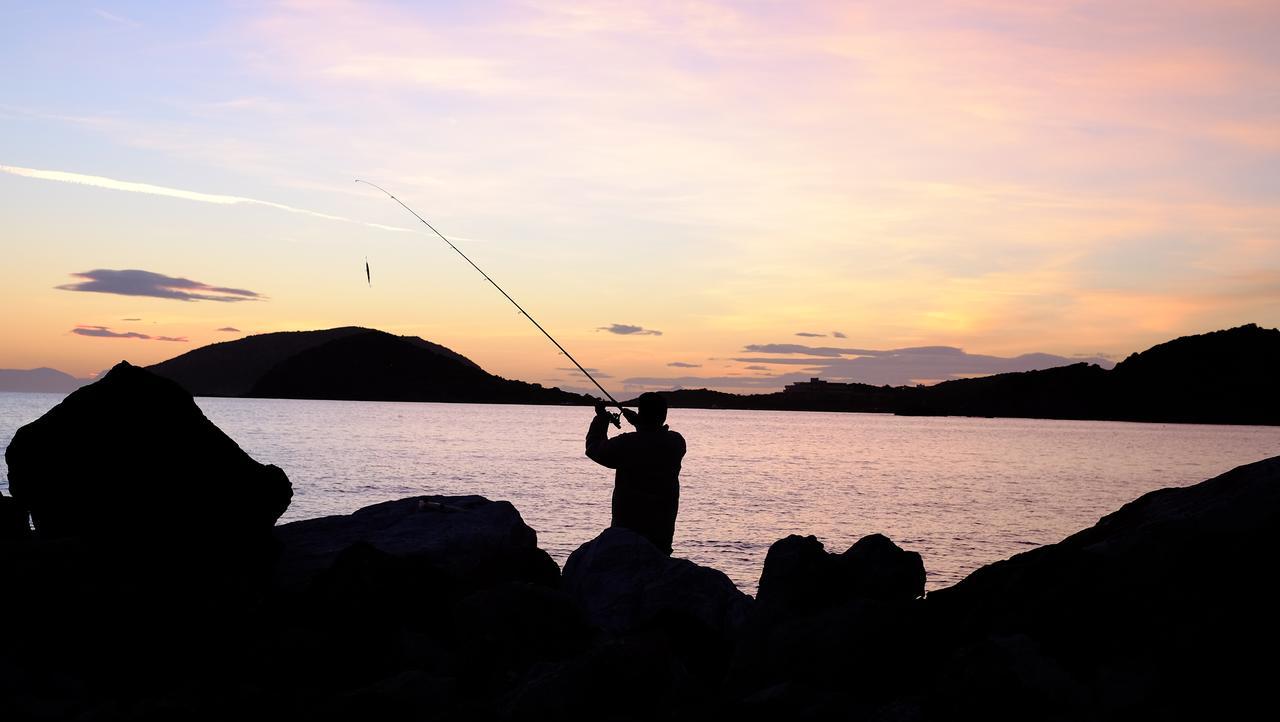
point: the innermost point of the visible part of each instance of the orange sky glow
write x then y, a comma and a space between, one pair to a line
1081, 179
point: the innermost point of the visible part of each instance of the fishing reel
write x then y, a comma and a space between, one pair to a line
615, 419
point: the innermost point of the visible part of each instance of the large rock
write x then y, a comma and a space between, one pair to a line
449, 585
800, 576
624, 583
467, 538
132, 457
832, 635
1156, 609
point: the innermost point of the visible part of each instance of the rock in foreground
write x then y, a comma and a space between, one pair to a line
132, 457
801, 575
466, 537
624, 583
1161, 609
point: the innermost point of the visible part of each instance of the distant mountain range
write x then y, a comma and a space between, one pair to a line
348, 363
42, 380
1223, 377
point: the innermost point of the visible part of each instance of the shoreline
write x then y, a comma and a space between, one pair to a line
447, 607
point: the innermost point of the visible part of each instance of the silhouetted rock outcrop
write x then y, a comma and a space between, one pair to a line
624, 583
467, 538
831, 632
1147, 610
151, 552
131, 457
800, 575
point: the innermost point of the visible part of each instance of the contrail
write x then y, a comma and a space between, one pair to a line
98, 181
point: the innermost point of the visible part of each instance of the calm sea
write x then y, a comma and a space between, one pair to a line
962, 492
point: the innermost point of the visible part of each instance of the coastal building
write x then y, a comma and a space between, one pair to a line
818, 386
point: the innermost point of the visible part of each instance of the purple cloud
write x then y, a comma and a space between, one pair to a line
133, 282
104, 332
594, 372
684, 365
229, 329
878, 367
808, 334
624, 329
838, 334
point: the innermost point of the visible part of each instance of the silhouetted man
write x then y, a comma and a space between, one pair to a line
646, 487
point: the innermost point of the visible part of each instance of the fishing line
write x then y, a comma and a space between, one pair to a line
523, 312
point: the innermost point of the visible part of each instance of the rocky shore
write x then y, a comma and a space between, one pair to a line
156, 586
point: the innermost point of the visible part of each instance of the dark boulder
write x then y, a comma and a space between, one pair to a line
131, 456
468, 539
455, 587
624, 582
1154, 610
832, 635
879, 569
800, 576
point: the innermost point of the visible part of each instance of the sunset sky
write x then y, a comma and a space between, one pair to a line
730, 195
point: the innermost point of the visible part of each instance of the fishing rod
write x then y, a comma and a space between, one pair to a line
523, 312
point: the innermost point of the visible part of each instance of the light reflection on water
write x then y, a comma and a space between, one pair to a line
962, 492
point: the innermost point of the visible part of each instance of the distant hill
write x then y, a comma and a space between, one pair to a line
43, 380
1230, 376
232, 368
348, 363
1222, 377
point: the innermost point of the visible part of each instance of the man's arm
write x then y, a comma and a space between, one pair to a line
600, 448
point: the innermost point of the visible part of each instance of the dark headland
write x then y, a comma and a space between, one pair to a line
1223, 377
155, 586
350, 364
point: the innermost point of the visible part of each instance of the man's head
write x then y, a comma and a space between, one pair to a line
653, 411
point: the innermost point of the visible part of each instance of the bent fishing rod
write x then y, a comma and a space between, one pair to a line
523, 312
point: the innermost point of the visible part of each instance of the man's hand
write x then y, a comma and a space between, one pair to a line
603, 413
632, 417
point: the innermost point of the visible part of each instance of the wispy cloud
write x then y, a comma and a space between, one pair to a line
625, 329
229, 329
133, 282
838, 334
594, 372
117, 19
97, 181
104, 332
684, 365
808, 334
